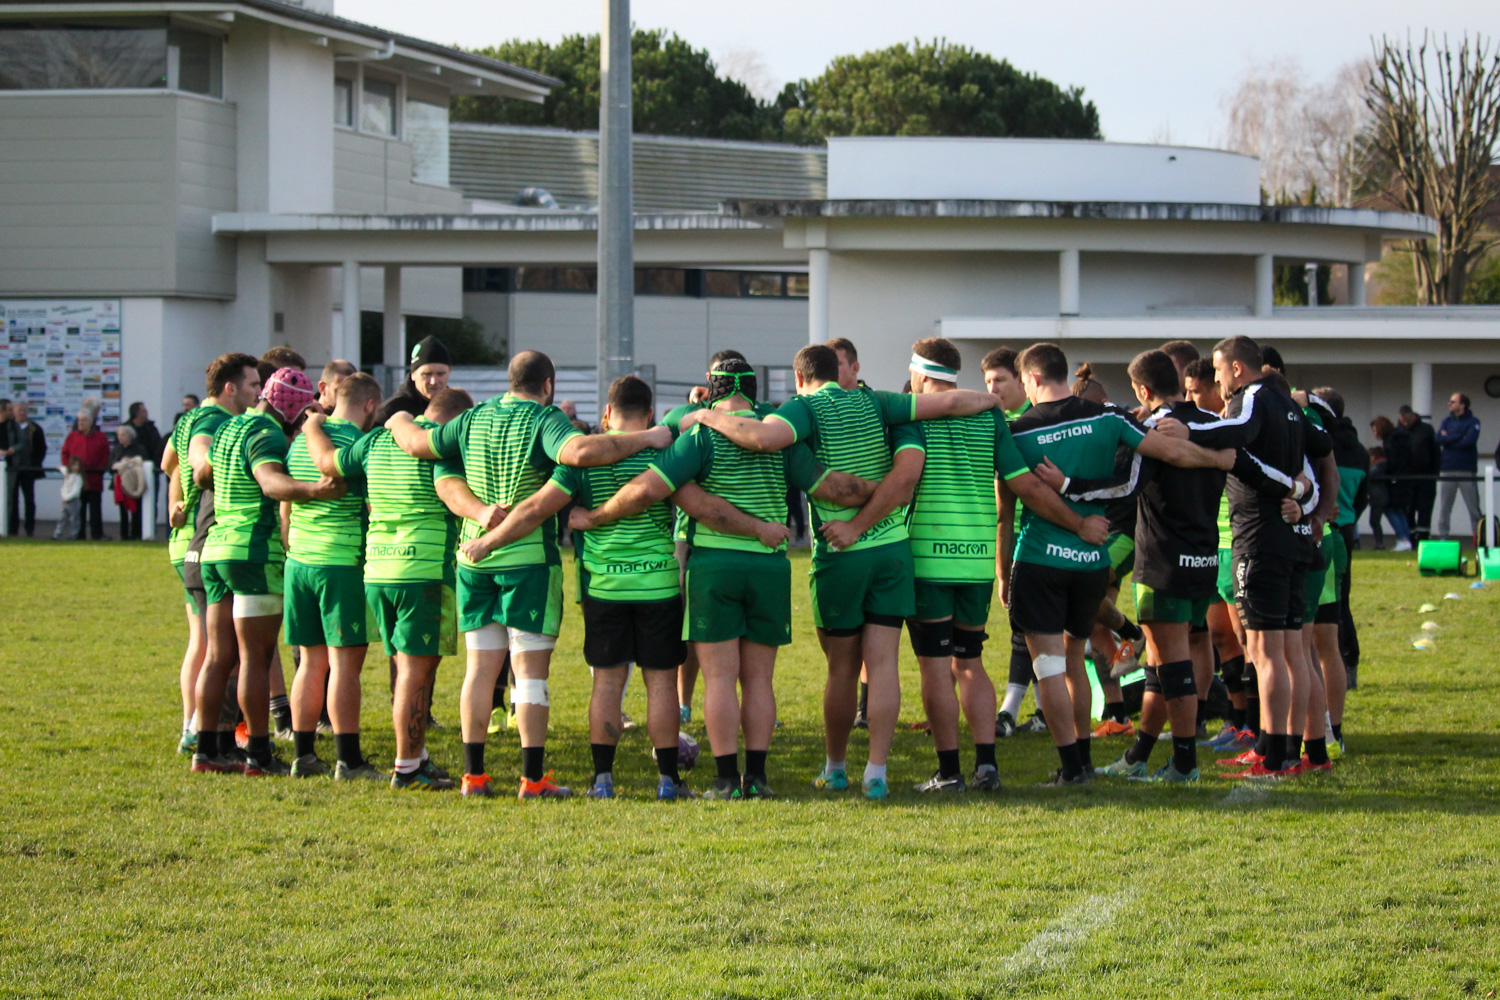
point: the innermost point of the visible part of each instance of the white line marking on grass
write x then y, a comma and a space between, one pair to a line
1053, 943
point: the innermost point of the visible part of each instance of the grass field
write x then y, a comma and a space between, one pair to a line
123, 875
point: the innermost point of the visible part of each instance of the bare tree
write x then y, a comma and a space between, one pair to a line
748, 66
1437, 120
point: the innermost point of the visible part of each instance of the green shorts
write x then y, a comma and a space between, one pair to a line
182, 578
1151, 606
325, 605
527, 599
1121, 556
965, 603
1336, 555
876, 583
1226, 575
221, 580
738, 595
417, 619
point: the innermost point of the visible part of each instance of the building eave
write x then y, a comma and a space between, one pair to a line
262, 223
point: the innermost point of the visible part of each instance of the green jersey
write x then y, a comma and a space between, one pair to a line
201, 421
326, 532
952, 519
411, 536
247, 525
1226, 533
509, 448
1010, 418
1080, 437
847, 432
673, 422
755, 482
631, 559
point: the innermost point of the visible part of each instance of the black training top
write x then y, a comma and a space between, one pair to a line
1177, 527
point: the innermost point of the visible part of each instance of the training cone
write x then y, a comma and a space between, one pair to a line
1424, 609
1423, 644
1430, 626
1452, 597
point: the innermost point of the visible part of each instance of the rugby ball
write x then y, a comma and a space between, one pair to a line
687, 752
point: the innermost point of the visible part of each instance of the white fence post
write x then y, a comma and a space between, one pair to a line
147, 504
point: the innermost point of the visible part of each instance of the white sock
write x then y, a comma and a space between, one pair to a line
873, 771
407, 766
1014, 695
424, 754
190, 724
830, 765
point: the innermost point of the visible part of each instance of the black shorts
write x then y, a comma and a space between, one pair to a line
619, 632
1270, 592
1047, 600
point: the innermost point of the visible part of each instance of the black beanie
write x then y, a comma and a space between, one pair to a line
429, 351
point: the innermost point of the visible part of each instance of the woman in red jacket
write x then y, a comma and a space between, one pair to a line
91, 446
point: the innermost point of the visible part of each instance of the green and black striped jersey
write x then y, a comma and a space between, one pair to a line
411, 537
326, 532
755, 482
509, 448
247, 524
202, 421
847, 433
630, 559
952, 519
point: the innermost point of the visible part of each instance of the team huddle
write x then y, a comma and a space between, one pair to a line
353, 521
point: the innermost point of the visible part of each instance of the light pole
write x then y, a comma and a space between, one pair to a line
616, 214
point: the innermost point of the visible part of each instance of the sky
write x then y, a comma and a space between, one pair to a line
1157, 71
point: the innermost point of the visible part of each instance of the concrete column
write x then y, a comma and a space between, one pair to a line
1310, 270
817, 296
1067, 283
346, 343
1356, 283
1421, 388
393, 341
1265, 285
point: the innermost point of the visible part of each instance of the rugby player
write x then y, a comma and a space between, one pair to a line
242, 563
431, 366
1353, 464
849, 380
946, 470
738, 593
509, 447
408, 572
230, 391
324, 607
862, 587
1054, 581
329, 381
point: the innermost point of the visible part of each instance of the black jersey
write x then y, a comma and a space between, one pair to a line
1272, 432
1177, 526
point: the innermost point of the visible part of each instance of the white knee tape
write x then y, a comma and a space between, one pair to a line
256, 605
1049, 665
530, 691
487, 639
531, 642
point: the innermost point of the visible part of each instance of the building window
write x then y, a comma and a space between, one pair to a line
796, 286
142, 54
763, 285
377, 107
427, 131
343, 103
722, 284
660, 281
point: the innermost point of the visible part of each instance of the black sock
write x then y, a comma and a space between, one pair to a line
864, 697
1085, 753
984, 753
303, 743
1263, 742
755, 763
604, 758
1202, 711
1141, 751
1317, 751
729, 767
1072, 763
1237, 717
532, 759
1293, 749
260, 748
1040, 714
666, 762
208, 742
1252, 715
1130, 630
1184, 754
346, 746
1338, 731
281, 712
1275, 748
474, 759
948, 765
1115, 710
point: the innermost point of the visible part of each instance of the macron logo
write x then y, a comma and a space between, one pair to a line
1073, 555
1197, 562
1078, 430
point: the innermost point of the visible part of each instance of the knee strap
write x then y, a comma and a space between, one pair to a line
487, 638
931, 639
531, 691
1252, 680
531, 642
1233, 672
1177, 679
1153, 679
1049, 665
968, 644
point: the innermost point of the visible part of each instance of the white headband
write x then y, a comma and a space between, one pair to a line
932, 369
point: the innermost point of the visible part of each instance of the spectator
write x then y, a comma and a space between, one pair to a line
1380, 495
7, 440
1426, 460
69, 524
149, 438
1458, 437
26, 452
1396, 441
570, 410
190, 403
431, 364
127, 461
87, 442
